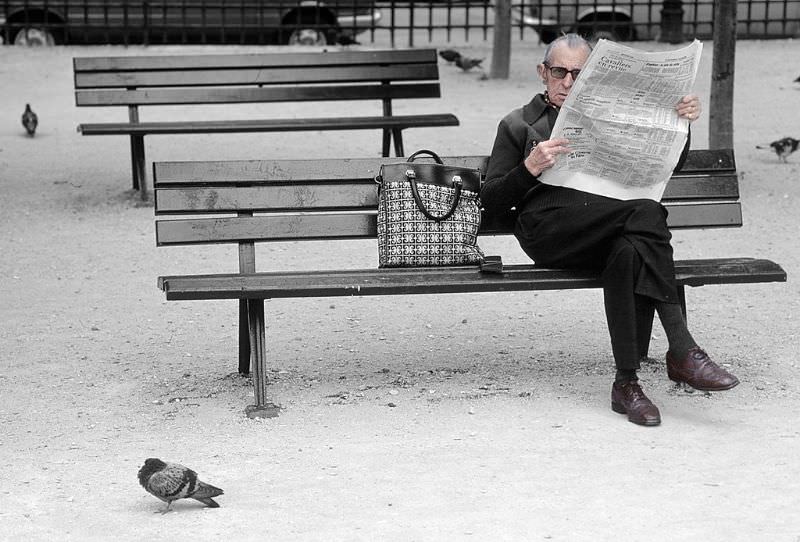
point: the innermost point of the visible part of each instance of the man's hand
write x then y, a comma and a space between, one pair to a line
689, 107
544, 154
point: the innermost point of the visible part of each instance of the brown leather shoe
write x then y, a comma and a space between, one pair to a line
697, 370
628, 398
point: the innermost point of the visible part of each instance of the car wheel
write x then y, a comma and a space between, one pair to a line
307, 36
34, 37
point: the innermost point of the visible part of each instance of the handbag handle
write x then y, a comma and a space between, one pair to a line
425, 151
379, 177
412, 179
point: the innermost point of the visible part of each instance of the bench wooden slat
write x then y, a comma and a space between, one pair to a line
272, 195
705, 160
269, 125
281, 227
243, 171
252, 60
443, 280
257, 76
286, 197
223, 95
222, 171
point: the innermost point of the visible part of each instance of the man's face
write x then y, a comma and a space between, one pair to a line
562, 57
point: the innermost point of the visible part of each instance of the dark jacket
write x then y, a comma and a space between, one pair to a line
508, 183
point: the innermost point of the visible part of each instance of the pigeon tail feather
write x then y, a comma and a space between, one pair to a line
208, 501
206, 491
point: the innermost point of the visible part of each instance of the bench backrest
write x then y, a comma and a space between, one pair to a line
278, 200
249, 78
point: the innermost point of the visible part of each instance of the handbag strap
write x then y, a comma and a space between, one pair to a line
425, 151
412, 179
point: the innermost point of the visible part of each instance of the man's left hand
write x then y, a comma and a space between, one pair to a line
689, 107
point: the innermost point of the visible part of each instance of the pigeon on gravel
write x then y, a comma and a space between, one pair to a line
782, 147
29, 120
449, 55
171, 481
466, 63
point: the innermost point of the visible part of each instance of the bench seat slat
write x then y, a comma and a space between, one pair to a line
225, 95
710, 160
257, 76
443, 280
252, 60
269, 125
280, 227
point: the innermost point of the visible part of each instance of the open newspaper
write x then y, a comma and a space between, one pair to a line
624, 134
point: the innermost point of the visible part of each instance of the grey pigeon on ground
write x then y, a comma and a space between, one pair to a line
450, 55
29, 120
171, 481
466, 63
782, 147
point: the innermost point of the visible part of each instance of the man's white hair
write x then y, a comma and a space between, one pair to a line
573, 41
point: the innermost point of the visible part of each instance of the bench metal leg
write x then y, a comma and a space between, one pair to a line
134, 169
387, 140
261, 408
398, 142
244, 339
140, 171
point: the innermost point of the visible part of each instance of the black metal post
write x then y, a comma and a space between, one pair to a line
672, 21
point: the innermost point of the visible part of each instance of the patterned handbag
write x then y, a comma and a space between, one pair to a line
428, 214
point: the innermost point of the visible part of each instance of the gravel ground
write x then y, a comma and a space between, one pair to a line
501, 427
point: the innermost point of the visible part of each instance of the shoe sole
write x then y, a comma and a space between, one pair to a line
619, 409
726, 388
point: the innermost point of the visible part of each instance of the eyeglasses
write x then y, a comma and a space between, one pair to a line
560, 73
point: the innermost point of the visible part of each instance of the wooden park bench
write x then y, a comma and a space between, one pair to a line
246, 202
191, 80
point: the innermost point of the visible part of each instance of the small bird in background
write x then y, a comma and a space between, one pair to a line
466, 63
171, 481
782, 147
797, 80
29, 120
450, 55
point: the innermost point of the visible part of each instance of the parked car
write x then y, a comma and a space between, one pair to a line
629, 20
310, 22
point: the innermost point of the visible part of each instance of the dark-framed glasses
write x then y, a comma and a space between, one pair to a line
560, 73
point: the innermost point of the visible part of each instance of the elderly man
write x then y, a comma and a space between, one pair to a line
627, 242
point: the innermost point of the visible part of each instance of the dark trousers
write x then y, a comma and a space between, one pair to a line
627, 242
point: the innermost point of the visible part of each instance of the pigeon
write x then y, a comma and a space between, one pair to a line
466, 63
29, 120
783, 147
171, 481
450, 55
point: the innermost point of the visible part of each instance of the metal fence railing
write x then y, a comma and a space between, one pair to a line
398, 22
621, 20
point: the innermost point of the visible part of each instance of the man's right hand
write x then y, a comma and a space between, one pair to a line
544, 155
